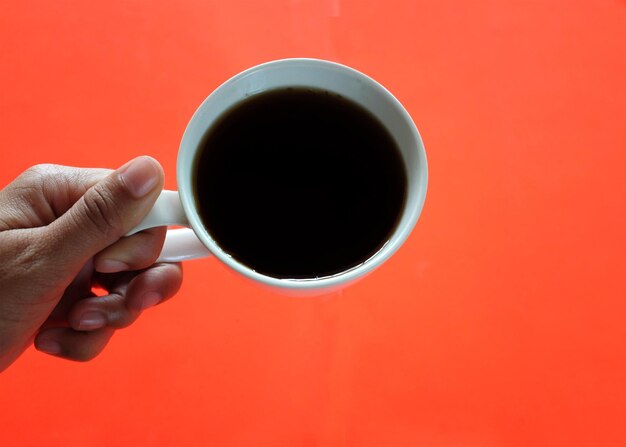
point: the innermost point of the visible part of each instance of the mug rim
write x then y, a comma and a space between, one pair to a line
398, 237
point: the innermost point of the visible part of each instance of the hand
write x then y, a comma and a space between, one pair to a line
62, 235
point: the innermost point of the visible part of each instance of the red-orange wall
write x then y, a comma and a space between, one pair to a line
501, 322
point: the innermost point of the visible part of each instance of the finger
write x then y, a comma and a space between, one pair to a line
153, 286
95, 313
123, 305
73, 345
135, 252
44, 192
106, 212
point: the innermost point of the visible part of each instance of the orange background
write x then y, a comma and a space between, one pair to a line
501, 322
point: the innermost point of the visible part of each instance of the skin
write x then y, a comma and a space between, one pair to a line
62, 235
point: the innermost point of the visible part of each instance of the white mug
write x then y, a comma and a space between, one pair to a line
179, 209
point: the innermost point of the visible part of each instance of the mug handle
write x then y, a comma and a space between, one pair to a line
180, 244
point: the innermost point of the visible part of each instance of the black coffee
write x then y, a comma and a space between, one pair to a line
299, 183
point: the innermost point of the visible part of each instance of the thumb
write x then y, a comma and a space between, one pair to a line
106, 212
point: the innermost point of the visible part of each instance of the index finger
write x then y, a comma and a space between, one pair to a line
44, 192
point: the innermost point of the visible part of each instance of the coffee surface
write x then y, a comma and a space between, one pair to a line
299, 183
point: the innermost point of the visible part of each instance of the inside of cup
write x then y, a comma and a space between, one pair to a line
321, 75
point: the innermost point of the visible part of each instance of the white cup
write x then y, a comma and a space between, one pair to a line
179, 209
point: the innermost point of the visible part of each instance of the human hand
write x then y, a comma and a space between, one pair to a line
61, 235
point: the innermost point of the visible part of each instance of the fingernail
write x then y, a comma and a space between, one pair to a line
111, 266
140, 176
48, 346
92, 320
150, 299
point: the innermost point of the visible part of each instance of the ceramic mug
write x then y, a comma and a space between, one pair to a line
179, 208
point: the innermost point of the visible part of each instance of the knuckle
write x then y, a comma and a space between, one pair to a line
42, 171
34, 180
121, 317
113, 306
101, 210
41, 176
